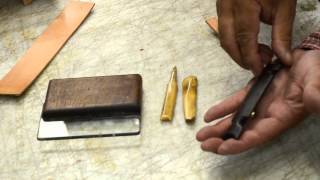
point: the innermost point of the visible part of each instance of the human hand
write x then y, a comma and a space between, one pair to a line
292, 93
239, 23
306, 71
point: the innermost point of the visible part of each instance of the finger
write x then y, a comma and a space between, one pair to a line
216, 130
259, 133
266, 53
282, 30
267, 11
218, 7
211, 145
247, 24
297, 53
227, 106
226, 30
233, 146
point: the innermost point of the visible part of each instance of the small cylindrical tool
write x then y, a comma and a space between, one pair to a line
170, 98
189, 88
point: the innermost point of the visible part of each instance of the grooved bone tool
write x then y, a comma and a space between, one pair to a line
247, 109
170, 97
189, 88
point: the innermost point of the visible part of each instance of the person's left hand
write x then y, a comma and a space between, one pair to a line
282, 107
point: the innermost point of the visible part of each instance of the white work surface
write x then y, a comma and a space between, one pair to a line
147, 37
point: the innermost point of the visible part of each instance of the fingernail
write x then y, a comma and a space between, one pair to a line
198, 138
206, 119
288, 58
203, 147
223, 150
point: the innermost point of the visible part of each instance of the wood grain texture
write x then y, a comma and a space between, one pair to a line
26, 2
99, 96
45, 47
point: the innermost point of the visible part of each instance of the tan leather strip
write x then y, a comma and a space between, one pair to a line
45, 47
213, 24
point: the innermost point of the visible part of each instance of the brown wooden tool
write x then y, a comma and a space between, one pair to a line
45, 47
26, 2
247, 109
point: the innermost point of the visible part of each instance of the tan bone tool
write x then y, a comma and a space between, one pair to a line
170, 98
45, 47
189, 88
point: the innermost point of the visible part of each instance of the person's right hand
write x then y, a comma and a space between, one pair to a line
239, 22
293, 94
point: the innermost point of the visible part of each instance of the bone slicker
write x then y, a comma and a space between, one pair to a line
170, 97
189, 88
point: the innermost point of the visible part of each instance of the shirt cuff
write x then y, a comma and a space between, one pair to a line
312, 42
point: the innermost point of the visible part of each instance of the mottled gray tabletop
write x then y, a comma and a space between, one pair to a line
147, 37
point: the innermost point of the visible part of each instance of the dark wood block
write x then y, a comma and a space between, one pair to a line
107, 96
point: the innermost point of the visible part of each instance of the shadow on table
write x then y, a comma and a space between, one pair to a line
294, 154
95, 144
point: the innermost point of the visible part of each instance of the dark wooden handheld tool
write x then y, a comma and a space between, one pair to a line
246, 110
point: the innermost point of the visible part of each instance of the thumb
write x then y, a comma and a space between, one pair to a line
282, 30
311, 95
